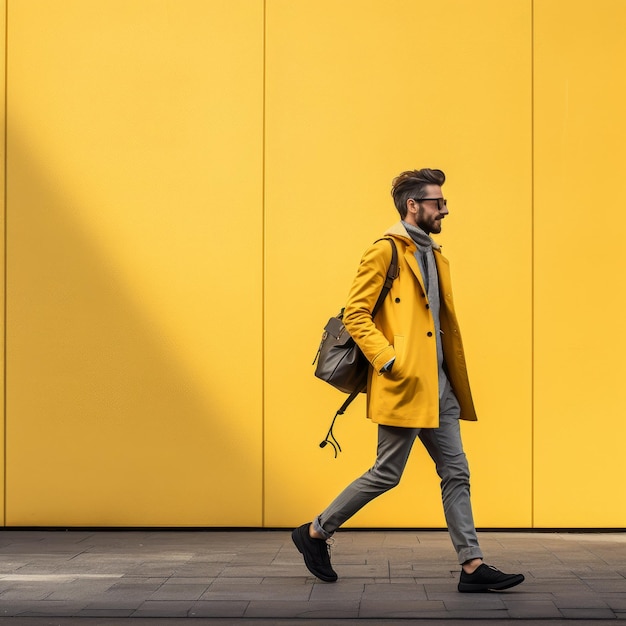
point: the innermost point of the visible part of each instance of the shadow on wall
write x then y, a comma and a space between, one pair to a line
108, 423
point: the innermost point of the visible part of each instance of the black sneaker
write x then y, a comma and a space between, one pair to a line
315, 552
488, 578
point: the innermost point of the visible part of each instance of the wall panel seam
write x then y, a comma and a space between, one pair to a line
263, 263
4, 269
532, 263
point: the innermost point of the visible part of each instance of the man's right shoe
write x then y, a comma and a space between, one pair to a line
488, 578
316, 553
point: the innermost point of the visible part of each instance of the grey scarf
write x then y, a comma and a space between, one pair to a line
425, 258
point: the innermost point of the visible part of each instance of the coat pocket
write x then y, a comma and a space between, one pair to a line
398, 364
393, 394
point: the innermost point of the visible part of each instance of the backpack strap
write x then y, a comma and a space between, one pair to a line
330, 437
392, 273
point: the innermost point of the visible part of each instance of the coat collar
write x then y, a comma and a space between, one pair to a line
398, 230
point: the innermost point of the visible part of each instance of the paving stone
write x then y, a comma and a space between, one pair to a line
532, 609
162, 609
617, 602
302, 610
179, 592
13, 608
56, 609
552, 585
578, 601
26, 591
217, 608
398, 591
78, 590
341, 590
115, 602
228, 583
396, 608
122, 613
257, 592
263, 571
477, 601
587, 614
607, 585
365, 570
204, 569
138, 584
477, 614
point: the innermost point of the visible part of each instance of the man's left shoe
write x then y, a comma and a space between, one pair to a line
316, 553
488, 578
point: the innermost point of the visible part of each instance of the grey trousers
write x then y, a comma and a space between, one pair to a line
394, 445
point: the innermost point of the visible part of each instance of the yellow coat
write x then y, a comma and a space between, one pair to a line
408, 396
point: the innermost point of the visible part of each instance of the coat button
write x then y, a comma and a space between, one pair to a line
428, 306
397, 299
429, 334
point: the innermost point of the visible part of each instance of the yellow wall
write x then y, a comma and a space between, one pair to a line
190, 185
580, 230
134, 338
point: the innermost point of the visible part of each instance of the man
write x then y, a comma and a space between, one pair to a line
418, 384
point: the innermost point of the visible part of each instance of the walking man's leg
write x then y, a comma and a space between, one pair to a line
446, 449
394, 446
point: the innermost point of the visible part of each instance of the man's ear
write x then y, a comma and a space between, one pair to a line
411, 206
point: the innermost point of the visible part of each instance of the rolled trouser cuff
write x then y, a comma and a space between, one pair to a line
317, 526
467, 554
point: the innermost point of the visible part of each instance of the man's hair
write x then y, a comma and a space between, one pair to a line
410, 184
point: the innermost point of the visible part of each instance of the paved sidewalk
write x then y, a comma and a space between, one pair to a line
386, 577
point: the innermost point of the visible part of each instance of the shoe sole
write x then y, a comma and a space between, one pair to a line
507, 584
297, 541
